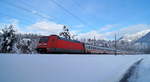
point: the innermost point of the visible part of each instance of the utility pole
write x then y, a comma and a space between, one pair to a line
94, 41
115, 44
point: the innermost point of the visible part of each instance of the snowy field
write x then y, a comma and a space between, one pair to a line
70, 68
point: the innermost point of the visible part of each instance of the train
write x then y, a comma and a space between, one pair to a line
57, 44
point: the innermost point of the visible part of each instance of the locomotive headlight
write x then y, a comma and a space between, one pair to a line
39, 44
42, 44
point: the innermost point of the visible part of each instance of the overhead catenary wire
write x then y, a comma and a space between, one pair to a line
39, 12
67, 11
77, 4
34, 12
9, 16
28, 10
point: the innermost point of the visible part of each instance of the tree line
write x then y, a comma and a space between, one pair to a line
13, 42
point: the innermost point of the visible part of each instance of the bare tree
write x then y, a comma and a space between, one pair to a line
66, 34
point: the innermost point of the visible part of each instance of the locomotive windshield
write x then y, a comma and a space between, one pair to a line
43, 39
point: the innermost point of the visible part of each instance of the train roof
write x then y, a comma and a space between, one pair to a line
69, 40
63, 38
112, 49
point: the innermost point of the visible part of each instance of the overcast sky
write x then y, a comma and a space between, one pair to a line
86, 18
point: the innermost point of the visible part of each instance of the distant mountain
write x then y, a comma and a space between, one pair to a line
145, 38
136, 37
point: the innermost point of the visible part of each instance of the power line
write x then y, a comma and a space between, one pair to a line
39, 12
29, 10
59, 5
67, 11
43, 15
9, 16
77, 4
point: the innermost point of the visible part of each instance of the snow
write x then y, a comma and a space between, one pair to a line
64, 68
143, 71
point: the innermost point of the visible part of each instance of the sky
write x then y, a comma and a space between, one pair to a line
85, 18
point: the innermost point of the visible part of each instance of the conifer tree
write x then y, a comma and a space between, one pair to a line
8, 39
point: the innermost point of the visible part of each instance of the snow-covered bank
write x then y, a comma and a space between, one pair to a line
142, 72
63, 68
131, 71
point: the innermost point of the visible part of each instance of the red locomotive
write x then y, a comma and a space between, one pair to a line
56, 44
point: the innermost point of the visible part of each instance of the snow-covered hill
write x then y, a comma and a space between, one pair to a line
134, 37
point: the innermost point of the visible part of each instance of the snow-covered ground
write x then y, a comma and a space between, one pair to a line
66, 68
142, 72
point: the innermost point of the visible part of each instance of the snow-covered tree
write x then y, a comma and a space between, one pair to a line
7, 39
26, 43
66, 34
